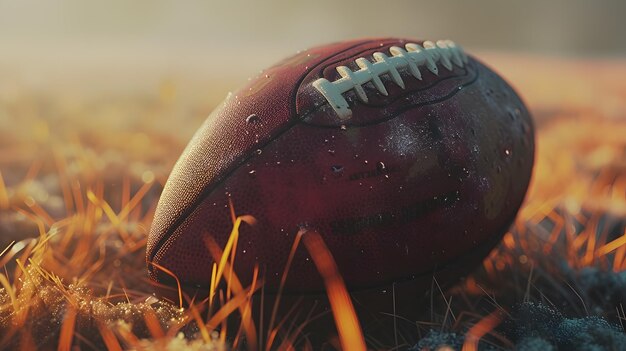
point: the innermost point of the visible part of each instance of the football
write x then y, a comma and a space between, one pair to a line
408, 157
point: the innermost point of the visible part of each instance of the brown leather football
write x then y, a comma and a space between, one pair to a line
407, 156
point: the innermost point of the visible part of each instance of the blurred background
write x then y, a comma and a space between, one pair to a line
129, 45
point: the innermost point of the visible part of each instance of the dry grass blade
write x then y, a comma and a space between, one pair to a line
619, 243
4, 197
283, 279
480, 329
153, 324
67, 330
111, 342
348, 326
171, 274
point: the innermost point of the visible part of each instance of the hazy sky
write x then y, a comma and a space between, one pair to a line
571, 26
230, 38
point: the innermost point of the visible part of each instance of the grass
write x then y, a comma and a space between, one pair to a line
79, 180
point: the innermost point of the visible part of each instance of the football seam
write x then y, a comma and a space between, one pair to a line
401, 110
445, 52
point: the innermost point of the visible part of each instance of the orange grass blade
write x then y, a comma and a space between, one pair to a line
78, 197
41, 226
98, 201
279, 326
233, 216
108, 211
27, 342
7, 248
212, 286
350, 333
227, 308
136, 199
283, 279
43, 214
180, 290
109, 338
247, 323
206, 336
611, 246
308, 319
224, 328
67, 330
216, 251
4, 196
232, 239
480, 329
15, 248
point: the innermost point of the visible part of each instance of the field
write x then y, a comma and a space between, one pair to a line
81, 170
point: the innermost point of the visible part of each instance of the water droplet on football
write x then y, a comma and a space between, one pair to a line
336, 168
343, 127
253, 118
381, 167
259, 151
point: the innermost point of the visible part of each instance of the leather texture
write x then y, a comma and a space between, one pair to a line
412, 181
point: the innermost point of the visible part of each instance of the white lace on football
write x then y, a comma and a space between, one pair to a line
443, 51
